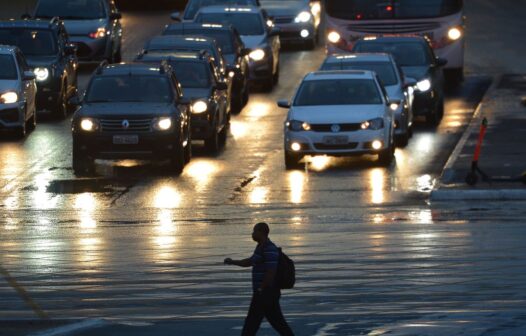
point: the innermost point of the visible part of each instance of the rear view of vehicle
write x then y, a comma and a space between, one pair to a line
339, 113
442, 21
131, 111
93, 25
17, 92
193, 6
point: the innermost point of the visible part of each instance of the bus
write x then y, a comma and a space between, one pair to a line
441, 21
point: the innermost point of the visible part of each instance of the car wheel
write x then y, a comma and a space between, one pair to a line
403, 139
61, 109
245, 93
434, 118
223, 136
386, 156
237, 104
117, 58
83, 165
32, 122
275, 77
292, 161
212, 142
177, 161
21, 132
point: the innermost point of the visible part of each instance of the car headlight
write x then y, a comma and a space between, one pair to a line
424, 85
257, 55
98, 34
162, 124
41, 74
454, 34
9, 97
334, 37
303, 17
394, 106
199, 107
297, 126
89, 124
373, 124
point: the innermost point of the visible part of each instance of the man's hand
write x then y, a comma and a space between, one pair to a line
228, 261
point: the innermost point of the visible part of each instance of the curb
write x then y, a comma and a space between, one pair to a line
72, 328
478, 194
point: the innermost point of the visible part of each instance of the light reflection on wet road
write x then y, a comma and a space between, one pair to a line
138, 243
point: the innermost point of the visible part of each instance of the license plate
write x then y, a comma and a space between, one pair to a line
125, 139
335, 140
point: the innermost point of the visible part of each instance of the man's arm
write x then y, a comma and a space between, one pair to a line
268, 279
241, 263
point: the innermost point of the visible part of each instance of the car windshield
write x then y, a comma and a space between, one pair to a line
8, 67
385, 70
32, 42
193, 6
147, 88
404, 53
71, 9
222, 37
163, 49
391, 9
245, 23
192, 74
338, 92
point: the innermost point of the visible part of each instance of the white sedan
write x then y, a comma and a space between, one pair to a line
339, 113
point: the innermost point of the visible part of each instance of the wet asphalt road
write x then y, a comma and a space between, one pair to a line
139, 245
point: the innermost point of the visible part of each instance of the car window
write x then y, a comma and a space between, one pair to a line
338, 92
8, 67
385, 70
222, 37
32, 42
150, 89
193, 6
404, 53
71, 9
245, 23
191, 74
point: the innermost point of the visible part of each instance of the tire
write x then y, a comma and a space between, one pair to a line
292, 161
245, 94
223, 136
212, 143
237, 105
403, 139
386, 156
188, 150
117, 58
268, 84
434, 118
275, 76
61, 109
177, 161
21, 132
83, 165
32, 122
310, 44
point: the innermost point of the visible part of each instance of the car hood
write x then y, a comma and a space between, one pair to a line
195, 93
394, 92
8, 85
40, 61
416, 72
253, 41
338, 114
125, 110
83, 27
284, 8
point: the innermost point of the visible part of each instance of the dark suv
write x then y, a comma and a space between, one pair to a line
131, 111
94, 26
199, 78
48, 52
234, 53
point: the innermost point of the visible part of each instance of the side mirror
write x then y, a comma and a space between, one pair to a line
176, 16
70, 49
221, 86
74, 101
274, 31
29, 75
441, 61
409, 82
115, 16
284, 103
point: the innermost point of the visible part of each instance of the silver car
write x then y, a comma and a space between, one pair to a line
17, 92
392, 79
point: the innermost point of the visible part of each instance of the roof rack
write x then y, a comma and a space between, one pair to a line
100, 67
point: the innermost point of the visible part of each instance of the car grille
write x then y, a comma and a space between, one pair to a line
135, 125
328, 127
350, 145
399, 28
283, 19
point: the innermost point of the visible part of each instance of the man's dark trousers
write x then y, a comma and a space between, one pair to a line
266, 304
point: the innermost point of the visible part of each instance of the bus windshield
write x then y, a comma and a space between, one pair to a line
391, 9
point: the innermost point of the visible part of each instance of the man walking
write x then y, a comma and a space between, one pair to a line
266, 294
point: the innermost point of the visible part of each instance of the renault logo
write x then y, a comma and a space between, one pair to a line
335, 128
125, 124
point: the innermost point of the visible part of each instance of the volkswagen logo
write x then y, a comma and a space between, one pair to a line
335, 128
125, 124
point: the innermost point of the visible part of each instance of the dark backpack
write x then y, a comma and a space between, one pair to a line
286, 273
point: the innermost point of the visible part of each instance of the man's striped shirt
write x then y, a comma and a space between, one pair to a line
264, 258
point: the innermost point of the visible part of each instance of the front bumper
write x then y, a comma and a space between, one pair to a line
424, 103
12, 115
153, 145
260, 71
291, 32
201, 126
91, 50
316, 143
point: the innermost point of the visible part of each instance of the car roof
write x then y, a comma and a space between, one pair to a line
229, 9
7, 49
170, 40
195, 56
379, 39
129, 69
340, 74
30, 23
193, 25
359, 57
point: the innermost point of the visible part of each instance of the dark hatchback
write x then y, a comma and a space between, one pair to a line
199, 78
234, 53
418, 61
131, 111
49, 53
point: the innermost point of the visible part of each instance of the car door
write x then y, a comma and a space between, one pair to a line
29, 87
